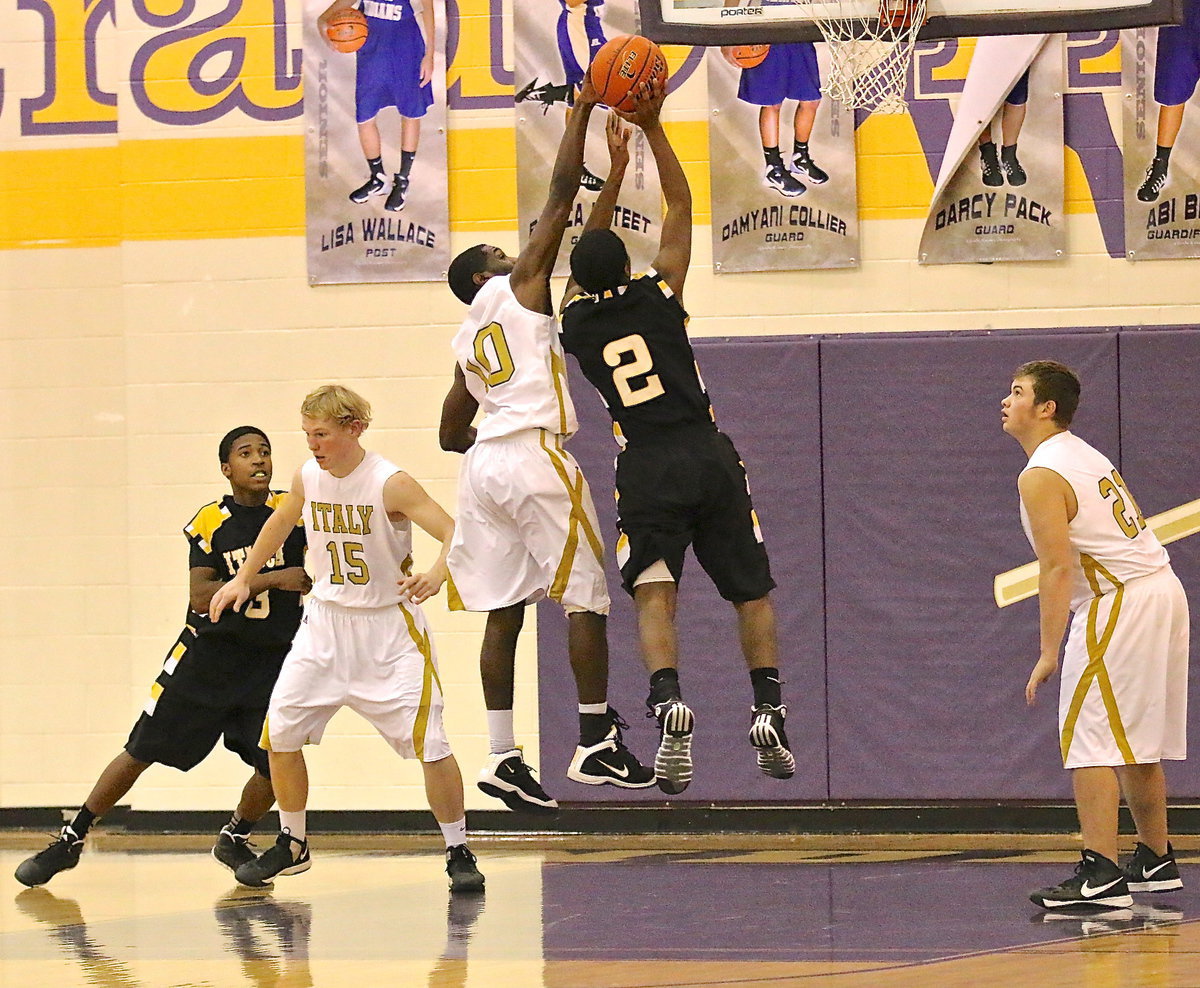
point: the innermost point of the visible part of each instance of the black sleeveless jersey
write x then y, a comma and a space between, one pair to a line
220, 536
632, 345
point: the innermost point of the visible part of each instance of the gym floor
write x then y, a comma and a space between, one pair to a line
590, 912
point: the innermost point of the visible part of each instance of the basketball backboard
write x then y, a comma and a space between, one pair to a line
740, 22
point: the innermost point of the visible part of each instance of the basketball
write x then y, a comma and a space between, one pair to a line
748, 56
347, 29
624, 64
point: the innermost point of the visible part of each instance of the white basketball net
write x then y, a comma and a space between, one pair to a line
870, 44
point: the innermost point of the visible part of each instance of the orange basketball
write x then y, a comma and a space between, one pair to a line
748, 56
622, 65
347, 29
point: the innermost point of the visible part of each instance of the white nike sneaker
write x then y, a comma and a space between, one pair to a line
1097, 884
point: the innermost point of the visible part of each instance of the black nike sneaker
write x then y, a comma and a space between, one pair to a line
1147, 872
783, 181
1156, 178
609, 762
1011, 166
61, 855
1097, 884
673, 760
373, 186
593, 183
770, 741
233, 850
287, 856
989, 162
465, 877
805, 167
395, 199
509, 779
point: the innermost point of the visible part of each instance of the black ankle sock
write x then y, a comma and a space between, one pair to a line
772, 157
593, 728
1162, 154
406, 160
376, 165
83, 821
800, 148
240, 826
765, 682
664, 686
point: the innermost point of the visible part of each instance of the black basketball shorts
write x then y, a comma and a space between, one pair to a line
183, 730
691, 491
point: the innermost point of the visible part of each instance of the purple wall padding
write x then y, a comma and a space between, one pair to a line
926, 675
1160, 406
765, 396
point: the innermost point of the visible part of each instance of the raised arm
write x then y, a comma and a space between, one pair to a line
1046, 496
274, 533
455, 433
404, 497
600, 218
530, 278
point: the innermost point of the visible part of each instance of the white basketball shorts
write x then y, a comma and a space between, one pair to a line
526, 528
1123, 694
378, 661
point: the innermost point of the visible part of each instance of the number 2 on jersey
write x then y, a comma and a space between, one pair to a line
355, 570
1114, 487
642, 364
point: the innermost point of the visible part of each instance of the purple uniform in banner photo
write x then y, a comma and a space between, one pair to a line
1177, 68
788, 72
389, 63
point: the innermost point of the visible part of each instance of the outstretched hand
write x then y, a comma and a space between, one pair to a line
647, 104
617, 136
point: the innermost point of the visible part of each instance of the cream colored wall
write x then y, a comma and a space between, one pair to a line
123, 363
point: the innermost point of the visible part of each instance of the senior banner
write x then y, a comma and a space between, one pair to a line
375, 141
1160, 69
555, 41
999, 192
784, 186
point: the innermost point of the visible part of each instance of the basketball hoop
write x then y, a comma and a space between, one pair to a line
870, 46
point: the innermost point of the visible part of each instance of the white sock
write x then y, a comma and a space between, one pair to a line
293, 823
500, 731
455, 833
594, 708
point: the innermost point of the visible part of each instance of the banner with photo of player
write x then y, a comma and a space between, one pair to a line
783, 178
555, 41
1161, 147
999, 192
376, 189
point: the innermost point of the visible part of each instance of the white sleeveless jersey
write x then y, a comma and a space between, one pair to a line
513, 364
355, 552
1108, 533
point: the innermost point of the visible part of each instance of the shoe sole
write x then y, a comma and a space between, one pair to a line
1105, 902
359, 202
515, 801
298, 868
784, 192
393, 209
467, 888
773, 758
1166, 885
607, 780
673, 763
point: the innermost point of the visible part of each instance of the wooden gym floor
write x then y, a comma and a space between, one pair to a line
666, 911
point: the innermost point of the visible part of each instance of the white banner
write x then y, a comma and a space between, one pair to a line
999, 192
375, 147
1160, 69
554, 43
774, 209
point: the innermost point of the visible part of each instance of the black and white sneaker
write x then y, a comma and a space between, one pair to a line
1156, 178
287, 856
804, 166
508, 778
1011, 166
373, 186
395, 199
673, 760
770, 741
61, 855
465, 877
1097, 884
233, 850
1147, 872
609, 762
784, 181
593, 183
989, 165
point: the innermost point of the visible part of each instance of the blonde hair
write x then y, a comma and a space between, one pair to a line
336, 403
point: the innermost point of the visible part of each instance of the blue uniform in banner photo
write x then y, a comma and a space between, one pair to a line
389, 63
595, 37
1177, 65
789, 71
